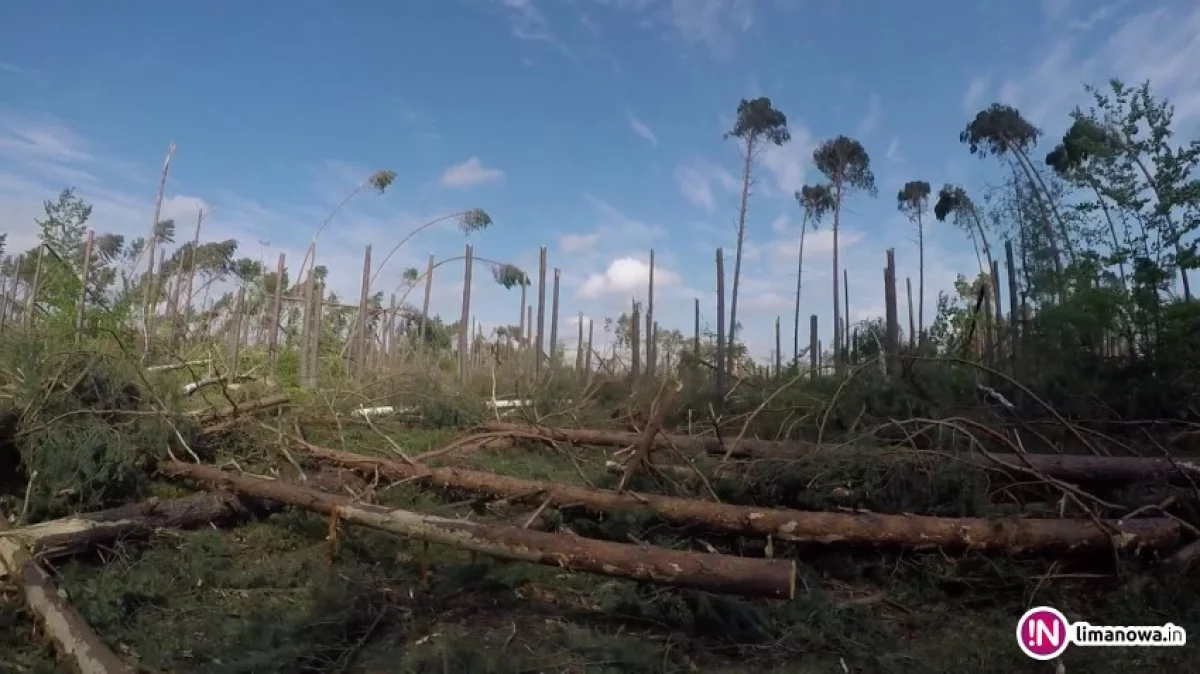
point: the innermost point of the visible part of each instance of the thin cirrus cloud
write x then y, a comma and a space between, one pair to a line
470, 173
642, 129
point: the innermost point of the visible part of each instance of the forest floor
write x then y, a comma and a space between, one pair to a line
282, 594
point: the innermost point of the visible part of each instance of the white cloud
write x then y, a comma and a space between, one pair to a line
527, 21
696, 187
1054, 9
893, 150
871, 120
626, 276
788, 163
42, 138
698, 179
1160, 45
470, 173
713, 24
1098, 16
711, 21
574, 243
973, 98
642, 129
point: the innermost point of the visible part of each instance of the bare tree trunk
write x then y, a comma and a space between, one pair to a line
464, 321
720, 360
541, 311
799, 285
73, 638
425, 302
191, 280
651, 356
360, 352
837, 308
716, 573
920, 279
31, 303
747, 179
84, 273
79, 533
792, 525
554, 320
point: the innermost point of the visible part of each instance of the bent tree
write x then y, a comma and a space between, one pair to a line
954, 200
758, 125
1000, 131
846, 164
1084, 146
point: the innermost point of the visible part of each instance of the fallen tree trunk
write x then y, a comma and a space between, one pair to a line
716, 573
73, 638
226, 417
78, 533
1012, 536
1073, 468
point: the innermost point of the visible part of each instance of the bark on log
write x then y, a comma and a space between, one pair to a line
78, 533
721, 574
1011, 536
1078, 469
73, 638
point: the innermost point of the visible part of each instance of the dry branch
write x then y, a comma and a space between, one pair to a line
73, 638
221, 419
713, 573
662, 404
1010, 536
1081, 469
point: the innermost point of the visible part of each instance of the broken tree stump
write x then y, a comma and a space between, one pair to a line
722, 574
1010, 536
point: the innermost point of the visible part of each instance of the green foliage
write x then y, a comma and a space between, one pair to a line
82, 433
474, 220
509, 276
758, 120
845, 162
998, 130
913, 198
816, 201
381, 180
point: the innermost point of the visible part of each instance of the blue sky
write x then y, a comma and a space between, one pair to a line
593, 127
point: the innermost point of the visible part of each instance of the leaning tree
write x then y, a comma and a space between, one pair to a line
954, 200
1084, 146
1001, 131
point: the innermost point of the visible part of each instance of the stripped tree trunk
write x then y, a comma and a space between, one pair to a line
1008, 536
722, 574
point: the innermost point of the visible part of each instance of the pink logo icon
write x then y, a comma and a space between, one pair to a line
1042, 633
